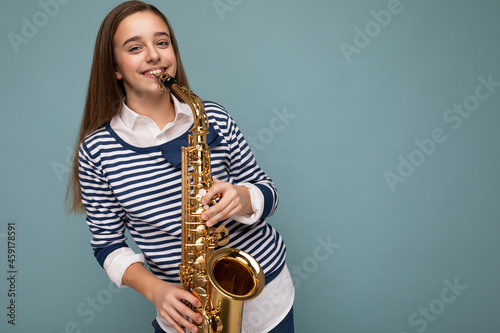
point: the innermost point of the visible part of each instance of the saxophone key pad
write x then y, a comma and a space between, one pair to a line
200, 242
199, 280
200, 230
221, 234
200, 260
202, 294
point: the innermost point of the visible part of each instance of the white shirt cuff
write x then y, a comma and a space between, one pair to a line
117, 262
257, 200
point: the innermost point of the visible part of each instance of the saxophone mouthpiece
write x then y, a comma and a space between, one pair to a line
166, 81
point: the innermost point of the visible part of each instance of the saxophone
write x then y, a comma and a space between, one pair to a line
221, 279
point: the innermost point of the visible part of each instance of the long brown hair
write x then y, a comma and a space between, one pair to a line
105, 93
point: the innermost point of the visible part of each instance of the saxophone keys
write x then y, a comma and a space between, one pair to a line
199, 280
221, 235
200, 230
202, 294
200, 242
196, 162
212, 323
202, 192
200, 260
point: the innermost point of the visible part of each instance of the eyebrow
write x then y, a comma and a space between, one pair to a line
136, 38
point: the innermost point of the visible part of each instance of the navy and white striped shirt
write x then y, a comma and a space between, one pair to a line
140, 188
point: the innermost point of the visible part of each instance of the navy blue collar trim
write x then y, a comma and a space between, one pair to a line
170, 150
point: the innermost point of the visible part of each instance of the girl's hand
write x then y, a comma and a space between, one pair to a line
234, 200
168, 301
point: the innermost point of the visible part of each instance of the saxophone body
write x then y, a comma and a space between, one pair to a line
222, 279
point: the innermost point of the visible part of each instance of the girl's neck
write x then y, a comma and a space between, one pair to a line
159, 108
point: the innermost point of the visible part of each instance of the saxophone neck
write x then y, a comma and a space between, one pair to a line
168, 83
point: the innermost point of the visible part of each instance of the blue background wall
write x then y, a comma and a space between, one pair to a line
375, 119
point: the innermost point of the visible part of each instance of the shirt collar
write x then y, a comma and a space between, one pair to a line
130, 117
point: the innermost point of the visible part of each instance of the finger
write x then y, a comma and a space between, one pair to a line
213, 211
193, 314
179, 314
214, 190
176, 324
218, 188
231, 209
181, 321
177, 300
215, 208
183, 308
184, 321
187, 296
234, 212
186, 312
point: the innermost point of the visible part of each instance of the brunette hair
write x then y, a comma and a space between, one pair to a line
105, 93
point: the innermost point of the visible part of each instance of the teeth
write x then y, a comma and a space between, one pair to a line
154, 72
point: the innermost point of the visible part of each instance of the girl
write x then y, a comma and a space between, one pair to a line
127, 175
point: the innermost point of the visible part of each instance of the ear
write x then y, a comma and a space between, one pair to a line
118, 75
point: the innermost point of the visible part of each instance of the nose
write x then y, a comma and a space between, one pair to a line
152, 54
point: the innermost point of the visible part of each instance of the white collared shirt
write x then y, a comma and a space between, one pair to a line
142, 131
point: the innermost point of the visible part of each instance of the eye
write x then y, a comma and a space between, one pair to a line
164, 43
134, 49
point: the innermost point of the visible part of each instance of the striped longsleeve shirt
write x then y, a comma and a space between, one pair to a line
139, 188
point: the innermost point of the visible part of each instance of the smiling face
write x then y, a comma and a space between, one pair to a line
142, 48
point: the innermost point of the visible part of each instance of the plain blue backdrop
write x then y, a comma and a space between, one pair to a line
377, 120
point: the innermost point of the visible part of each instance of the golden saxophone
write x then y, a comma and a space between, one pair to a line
222, 279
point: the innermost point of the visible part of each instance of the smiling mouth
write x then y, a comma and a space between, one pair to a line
155, 72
